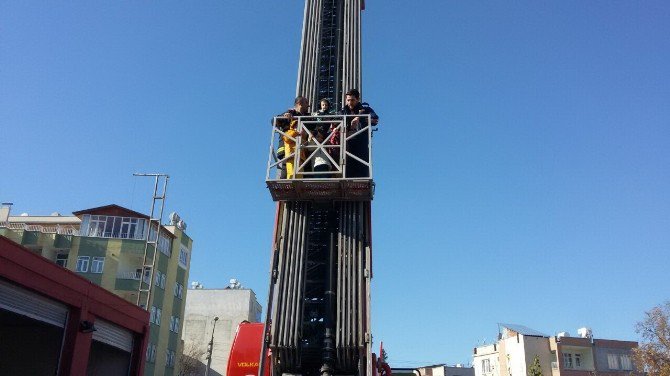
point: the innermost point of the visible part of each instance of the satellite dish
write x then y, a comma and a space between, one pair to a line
181, 224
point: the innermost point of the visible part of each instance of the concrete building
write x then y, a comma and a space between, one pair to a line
445, 370
560, 355
231, 305
581, 356
106, 246
53, 321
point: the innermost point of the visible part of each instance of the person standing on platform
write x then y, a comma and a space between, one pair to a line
359, 144
289, 126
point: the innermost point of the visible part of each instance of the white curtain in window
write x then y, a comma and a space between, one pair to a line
612, 361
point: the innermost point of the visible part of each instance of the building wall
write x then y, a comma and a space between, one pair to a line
122, 257
43, 281
231, 306
538, 346
604, 348
514, 356
482, 354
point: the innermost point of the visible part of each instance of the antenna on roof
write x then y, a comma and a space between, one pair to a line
153, 236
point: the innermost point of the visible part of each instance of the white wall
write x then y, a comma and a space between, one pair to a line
490, 353
231, 307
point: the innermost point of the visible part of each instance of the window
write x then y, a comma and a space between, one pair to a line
567, 360
147, 275
61, 259
164, 245
157, 278
613, 361
82, 264
97, 265
486, 366
163, 281
183, 257
622, 362
104, 226
155, 316
578, 360
164, 241
178, 290
151, 352
174, 324
97, 226
169, 358
152, 317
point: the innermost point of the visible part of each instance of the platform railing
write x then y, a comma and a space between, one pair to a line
305, 147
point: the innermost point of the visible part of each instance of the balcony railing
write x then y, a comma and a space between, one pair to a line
46, 229
129, 275
346, 149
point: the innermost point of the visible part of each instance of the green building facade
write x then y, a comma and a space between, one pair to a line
106, 245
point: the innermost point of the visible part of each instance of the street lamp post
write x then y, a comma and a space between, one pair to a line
211, 348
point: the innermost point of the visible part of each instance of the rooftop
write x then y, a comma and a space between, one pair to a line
523, 330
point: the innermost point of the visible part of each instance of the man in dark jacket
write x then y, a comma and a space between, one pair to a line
358, 145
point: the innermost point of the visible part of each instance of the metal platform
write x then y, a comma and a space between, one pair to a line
321, 189
343, 183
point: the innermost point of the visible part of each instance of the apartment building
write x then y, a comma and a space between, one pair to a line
444, 370
106, 246
560, 355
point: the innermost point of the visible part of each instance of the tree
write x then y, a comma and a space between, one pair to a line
535, 368
653, 354
189, 361
384, 356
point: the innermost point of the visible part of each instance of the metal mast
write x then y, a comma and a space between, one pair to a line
318, 320
330, 53
152, 236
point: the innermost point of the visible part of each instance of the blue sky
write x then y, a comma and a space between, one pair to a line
521, 163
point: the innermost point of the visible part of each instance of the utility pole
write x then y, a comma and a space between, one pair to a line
210, 348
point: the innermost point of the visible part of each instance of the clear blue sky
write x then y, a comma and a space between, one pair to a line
521, 163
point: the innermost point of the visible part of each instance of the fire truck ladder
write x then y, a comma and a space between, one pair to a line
152, 236
318, 315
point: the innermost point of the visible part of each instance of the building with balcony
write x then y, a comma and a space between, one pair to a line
231, 305
106, 246
582, 356
560, 355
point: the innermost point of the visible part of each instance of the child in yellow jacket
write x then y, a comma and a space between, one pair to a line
289, 148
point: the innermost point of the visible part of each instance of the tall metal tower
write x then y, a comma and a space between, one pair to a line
330, 53
318, 320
